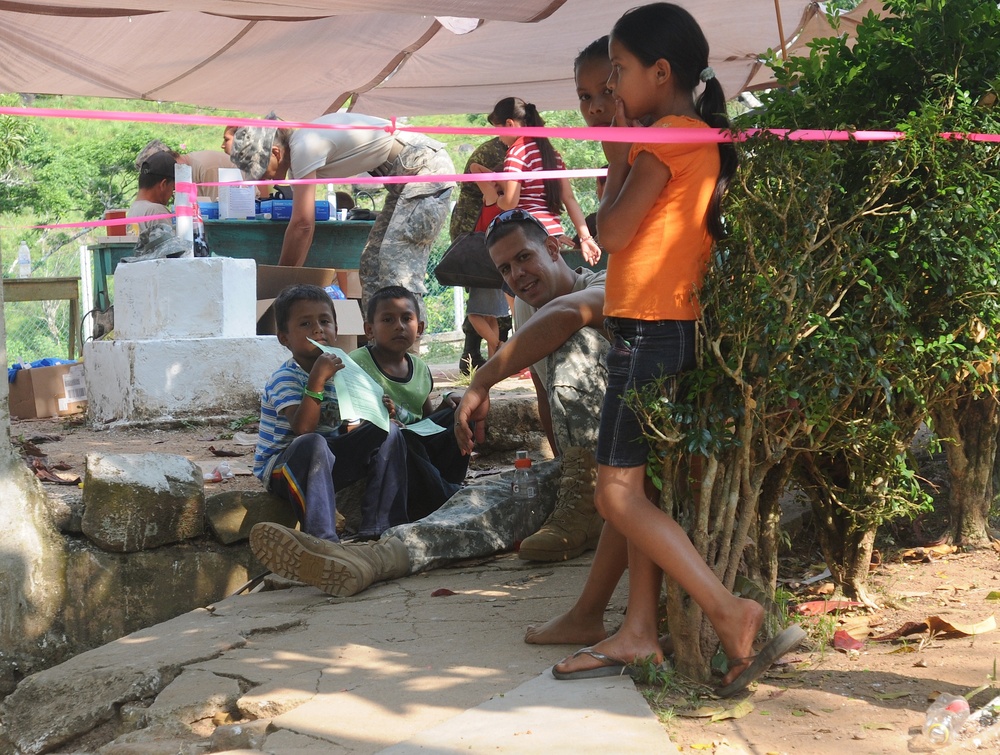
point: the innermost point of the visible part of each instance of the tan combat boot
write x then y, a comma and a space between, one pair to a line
575, 525
339, 569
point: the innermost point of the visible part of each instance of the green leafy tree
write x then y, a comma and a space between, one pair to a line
855, 297
929, 68
15, 137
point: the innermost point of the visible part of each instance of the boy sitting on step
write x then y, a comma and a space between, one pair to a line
392, 325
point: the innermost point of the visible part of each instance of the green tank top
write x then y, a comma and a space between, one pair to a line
408, 395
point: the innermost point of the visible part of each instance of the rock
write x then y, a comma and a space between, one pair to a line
270, 700
62, 704
32, 565
246, 735
135, 502
193, 696
512, 425
127, 592
65, 516
232, 514
139, 743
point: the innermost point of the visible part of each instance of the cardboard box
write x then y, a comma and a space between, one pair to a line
48, 392
272, 279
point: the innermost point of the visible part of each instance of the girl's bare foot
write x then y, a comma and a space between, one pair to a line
618, 647
567, 629
738, 633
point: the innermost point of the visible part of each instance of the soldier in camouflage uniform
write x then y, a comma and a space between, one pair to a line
399, 244
400, 241
470, 198
568, 342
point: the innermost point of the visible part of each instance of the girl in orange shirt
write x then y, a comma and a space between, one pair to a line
658, 219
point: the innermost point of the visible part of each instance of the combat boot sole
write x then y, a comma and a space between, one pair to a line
277, 549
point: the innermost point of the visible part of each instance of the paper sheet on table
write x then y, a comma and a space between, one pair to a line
425, 427
359, 396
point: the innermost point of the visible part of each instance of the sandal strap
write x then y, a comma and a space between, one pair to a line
598, 655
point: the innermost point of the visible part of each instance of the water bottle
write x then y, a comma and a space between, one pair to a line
24, 260
945, 718
524, 489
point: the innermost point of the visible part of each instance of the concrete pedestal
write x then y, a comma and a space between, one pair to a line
186, 343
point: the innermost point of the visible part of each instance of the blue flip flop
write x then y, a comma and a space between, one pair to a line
611, 667
771, 652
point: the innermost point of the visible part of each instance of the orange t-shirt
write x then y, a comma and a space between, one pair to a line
658, 275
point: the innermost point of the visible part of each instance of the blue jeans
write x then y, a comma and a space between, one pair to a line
402, 486
642, 353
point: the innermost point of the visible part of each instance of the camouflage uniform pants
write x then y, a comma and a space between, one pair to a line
399, 244
483, 519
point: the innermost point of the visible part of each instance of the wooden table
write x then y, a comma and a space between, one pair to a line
49, 289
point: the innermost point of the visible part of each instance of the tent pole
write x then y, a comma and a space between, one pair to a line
781, 31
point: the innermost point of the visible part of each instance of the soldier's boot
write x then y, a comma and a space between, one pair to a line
575, 525
338, 569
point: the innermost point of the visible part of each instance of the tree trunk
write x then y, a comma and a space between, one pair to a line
968, 430
846, 543
762, 561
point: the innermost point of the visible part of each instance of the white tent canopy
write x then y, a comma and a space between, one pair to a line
389, 58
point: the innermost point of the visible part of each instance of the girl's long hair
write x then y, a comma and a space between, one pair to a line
665, 30
517, 109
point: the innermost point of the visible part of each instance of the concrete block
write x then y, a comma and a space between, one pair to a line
160, 379
186, 298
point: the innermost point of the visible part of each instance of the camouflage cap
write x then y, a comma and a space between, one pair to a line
149, 150
251, 150
158, 241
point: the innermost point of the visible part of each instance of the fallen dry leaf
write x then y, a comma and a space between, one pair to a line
222, 452
857, 627
818, 607
737, 711
704, 711
890, 695
943, 627
910, 627
42, 472
927, 552
30, 449
442, 592
844, 642
826, 588
44, 438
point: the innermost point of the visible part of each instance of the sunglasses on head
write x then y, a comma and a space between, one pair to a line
515, 216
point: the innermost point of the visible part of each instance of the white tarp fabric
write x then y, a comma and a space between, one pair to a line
388, 58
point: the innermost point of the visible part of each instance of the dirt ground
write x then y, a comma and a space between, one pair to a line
821, 700
825, 701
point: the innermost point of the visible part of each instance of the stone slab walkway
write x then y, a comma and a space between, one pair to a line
395, 669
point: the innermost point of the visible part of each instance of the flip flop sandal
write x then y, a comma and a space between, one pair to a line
771, 652
611, 667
